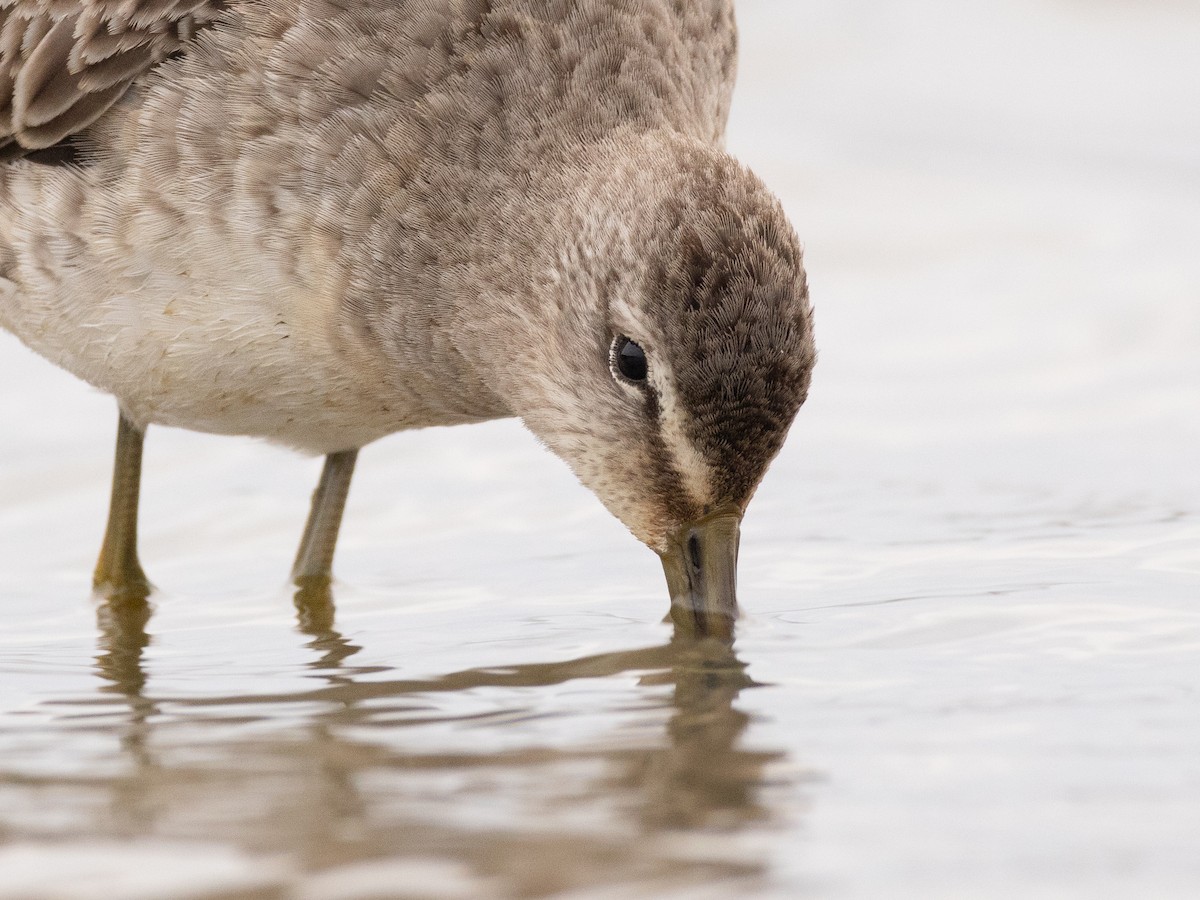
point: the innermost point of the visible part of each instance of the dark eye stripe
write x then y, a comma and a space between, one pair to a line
630, 359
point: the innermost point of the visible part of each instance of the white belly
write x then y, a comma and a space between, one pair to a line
234, 371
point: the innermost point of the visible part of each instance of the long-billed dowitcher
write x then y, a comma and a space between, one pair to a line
321, 222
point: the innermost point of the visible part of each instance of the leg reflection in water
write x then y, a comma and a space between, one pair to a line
601, 775
315, 614
122, 619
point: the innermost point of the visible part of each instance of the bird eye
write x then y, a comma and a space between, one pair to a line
629, 360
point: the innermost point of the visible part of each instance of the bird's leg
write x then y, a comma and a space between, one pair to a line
314, 561
118, 572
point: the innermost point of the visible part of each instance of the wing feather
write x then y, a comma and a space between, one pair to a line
63, 63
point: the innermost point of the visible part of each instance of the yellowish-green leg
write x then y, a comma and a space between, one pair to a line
314, 561
118, 572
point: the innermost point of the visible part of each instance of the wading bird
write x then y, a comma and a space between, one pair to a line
323, 221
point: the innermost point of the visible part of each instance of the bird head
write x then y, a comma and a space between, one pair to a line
679, 349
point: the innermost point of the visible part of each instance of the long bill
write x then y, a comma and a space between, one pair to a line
701, 567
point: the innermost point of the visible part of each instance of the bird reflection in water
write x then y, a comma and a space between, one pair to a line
356, 784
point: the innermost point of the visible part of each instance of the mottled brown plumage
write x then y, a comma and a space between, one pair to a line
322, 222
63, 64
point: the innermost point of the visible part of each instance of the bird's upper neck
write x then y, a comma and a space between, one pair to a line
471, 282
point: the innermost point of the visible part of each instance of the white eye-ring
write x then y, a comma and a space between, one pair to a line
628, 361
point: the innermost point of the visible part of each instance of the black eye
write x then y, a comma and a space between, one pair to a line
629, 359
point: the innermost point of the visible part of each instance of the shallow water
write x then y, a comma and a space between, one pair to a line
970, 663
